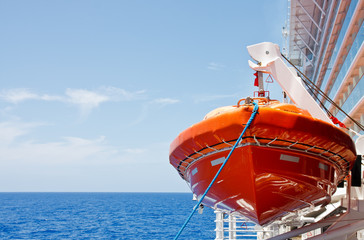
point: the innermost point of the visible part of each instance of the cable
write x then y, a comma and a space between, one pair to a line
255, 111
319, 91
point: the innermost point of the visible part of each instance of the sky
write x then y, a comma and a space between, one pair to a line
93, 92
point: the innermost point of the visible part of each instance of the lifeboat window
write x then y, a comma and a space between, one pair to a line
323, 166
289, 158
217, 161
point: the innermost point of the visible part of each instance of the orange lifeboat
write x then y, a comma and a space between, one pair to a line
287, 160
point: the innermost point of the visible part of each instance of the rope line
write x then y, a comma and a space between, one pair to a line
312, 85
255, 111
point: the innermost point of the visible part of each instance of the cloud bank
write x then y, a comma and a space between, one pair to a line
76, 163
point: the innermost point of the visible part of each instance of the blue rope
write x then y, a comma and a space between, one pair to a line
255, 111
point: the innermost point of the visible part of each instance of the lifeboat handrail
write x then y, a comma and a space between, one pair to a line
227, 143
252, 116
292, 144
341, 163
189, 157
314, 146
260, 100
272, 141
256, 140
214, 149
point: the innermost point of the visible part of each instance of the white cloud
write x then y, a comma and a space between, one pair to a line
119, 94
47, 97
83, 142
9, 132
12, 130
134, 150
85, 99
215, 66
17, 95
16, 144
79, 164
165, 101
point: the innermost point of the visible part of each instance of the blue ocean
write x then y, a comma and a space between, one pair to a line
102, 216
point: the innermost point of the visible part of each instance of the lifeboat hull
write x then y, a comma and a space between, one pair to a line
286, 160
263, 183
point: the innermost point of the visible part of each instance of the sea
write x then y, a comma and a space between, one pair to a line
102, 216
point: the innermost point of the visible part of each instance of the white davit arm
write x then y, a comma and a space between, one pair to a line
270, 61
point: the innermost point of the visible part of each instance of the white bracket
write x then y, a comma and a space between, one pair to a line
270, 61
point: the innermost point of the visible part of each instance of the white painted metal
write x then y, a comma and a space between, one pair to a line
303, 54
232, 227
260, 83
219, 225
344, 47
309, 15
342, 232
305, 229
318, 6
269, 61
350, 76
306, 44
359, 144
307, 31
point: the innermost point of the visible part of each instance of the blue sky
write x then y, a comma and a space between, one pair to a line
93, 92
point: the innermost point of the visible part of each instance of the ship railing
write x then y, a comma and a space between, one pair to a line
234, 226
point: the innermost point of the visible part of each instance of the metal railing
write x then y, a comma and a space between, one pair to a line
233, 227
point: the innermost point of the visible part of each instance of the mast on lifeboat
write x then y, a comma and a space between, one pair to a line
259, 83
